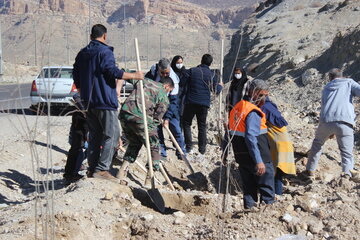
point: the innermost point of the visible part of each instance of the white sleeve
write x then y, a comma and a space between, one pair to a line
176, 81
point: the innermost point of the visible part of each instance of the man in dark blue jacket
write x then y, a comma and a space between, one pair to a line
95, 76
200, 83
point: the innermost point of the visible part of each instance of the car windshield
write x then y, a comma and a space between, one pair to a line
56, 73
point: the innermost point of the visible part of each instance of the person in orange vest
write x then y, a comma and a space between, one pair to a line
248, 134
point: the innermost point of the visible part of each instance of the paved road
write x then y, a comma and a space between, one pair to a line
15, 96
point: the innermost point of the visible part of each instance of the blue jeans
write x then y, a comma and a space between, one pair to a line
345, 139
174, 126
252, 184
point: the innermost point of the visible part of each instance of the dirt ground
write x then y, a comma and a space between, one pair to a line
35, 202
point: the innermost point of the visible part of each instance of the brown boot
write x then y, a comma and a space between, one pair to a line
105, 175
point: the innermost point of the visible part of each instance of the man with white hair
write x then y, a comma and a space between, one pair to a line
172, 117
337, 118
248, 134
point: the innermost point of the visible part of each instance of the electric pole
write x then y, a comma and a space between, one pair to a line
89, 27
66, 32
1, 53
147, 42
160, 46
35, 42
124, 24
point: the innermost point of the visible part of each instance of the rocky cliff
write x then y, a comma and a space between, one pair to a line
176, 11
179, 13
188, 28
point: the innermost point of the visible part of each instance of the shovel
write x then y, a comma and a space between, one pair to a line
194, 177
153, 193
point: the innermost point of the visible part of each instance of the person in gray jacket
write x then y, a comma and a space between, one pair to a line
337, 118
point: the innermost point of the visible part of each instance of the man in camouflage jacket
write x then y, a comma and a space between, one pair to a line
131, 116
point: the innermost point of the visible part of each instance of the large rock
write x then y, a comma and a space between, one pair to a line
315, 227
308, 202
309, 76
287, 218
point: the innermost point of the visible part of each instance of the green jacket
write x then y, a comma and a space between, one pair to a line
156, 102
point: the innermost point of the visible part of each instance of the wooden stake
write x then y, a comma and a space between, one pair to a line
221, 77
225, 202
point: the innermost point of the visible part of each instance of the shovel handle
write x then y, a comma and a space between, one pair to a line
147, 141
179, 149
163, 172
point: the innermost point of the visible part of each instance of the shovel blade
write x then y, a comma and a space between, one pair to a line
198, 178
157, 199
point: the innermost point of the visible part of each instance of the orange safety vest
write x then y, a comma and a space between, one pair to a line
237, 118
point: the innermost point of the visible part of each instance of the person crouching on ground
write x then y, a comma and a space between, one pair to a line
132, 122
248, 133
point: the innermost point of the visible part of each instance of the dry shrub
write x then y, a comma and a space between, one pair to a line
299, 7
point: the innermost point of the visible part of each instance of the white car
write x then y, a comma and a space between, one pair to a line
54, 85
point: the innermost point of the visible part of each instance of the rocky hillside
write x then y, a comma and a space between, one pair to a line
295, 43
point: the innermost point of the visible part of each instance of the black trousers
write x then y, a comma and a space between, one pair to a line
78, 132
201, 111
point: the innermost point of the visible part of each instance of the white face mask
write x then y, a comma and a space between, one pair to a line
238, 75
179, 65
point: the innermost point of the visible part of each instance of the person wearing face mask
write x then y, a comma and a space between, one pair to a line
163, 69
237, 89
172, 117
177, 65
